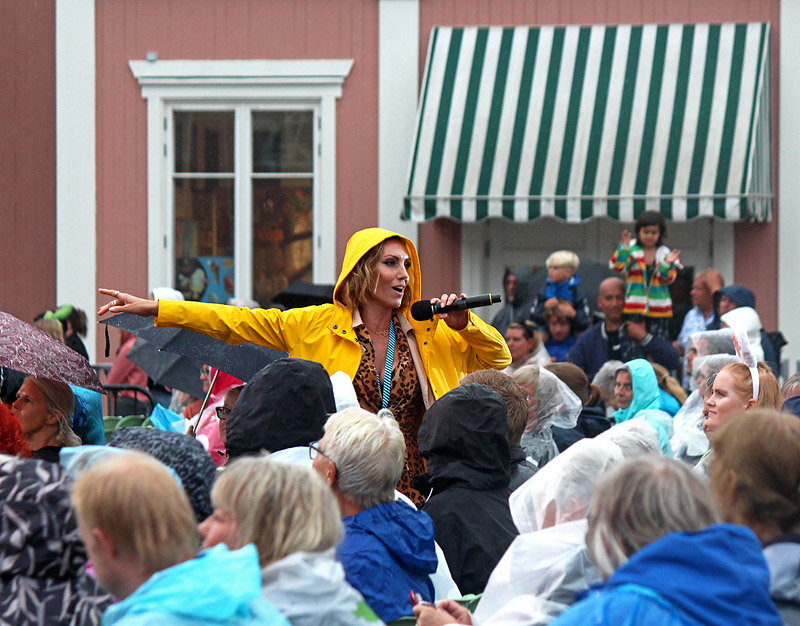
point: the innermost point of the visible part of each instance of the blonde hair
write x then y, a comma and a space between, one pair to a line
134, 500
769, 391
60, 400
362, 279
51, 327
640, 501
282, 509
669, 384
564, 258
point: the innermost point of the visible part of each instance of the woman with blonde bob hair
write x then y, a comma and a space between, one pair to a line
654, 537
44, 408
293, 519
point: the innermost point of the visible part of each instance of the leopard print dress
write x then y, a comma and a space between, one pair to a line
405, 400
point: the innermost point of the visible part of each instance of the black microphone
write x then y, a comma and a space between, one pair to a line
424, 310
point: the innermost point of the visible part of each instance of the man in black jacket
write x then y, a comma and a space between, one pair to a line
614, 338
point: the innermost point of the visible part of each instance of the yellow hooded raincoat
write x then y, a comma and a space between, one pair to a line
324, 333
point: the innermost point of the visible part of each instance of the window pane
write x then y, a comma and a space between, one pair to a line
282, 141
283, 224
204, 239
203, 141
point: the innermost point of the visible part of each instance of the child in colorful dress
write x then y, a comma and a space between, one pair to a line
649, 268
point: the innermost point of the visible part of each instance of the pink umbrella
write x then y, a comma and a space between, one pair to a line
29, 350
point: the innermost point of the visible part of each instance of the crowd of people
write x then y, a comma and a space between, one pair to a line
540, 469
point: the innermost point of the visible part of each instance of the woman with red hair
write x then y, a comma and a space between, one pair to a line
12, 441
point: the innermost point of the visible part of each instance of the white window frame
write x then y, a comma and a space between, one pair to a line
242, 86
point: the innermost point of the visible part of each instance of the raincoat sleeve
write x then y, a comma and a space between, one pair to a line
279, 330
483, 346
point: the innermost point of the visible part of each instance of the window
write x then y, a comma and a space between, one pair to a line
241, 174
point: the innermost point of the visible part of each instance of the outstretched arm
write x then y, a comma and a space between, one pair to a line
126, 303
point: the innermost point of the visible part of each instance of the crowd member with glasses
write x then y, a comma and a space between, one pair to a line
388, 548
224, 411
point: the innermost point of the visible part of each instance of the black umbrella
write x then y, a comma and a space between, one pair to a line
167, 368
241, 361
301, 293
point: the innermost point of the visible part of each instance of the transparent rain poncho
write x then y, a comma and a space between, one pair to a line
689, 442
556, 405
634, 437
712, 342
562, 489
745, 319
547, 565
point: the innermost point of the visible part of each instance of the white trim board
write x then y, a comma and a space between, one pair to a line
315, 83
76, 161
398, 79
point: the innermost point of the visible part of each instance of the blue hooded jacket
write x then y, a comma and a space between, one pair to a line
388, 551
646, 393
218, 587
713, 577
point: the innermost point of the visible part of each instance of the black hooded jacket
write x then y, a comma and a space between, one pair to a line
518, 309
43, 580
464, 437
284, 405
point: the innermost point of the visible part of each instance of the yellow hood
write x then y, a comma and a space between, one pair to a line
362, 242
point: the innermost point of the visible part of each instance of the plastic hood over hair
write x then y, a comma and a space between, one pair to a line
746, 320
661, 422
556, 404
646, 394
712, 342
708, 366
634, 437
538, 577
362, 242
344, 394
562, 489
689, 441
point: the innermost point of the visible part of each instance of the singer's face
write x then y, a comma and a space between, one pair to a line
391, 279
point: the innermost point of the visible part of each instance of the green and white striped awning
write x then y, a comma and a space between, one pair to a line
578, 122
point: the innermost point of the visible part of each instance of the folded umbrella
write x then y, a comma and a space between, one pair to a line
241, 361
32, 351
167, 368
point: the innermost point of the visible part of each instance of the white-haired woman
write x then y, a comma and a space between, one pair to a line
388, 548
44, 408
654, 536
293, 520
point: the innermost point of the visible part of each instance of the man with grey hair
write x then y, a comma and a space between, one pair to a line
388, 549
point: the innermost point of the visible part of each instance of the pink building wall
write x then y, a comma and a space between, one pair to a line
752, 241
28, 158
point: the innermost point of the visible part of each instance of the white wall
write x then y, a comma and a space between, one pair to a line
489, 247
398, 78
789, 181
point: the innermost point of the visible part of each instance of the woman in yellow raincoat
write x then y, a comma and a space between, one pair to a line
367, 332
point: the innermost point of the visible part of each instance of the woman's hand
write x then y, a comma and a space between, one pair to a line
446, 612
126, 303
457, 320
625, 239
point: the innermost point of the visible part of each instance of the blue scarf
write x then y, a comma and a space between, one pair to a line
562, 290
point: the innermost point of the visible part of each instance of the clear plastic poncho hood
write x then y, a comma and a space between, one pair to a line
562, 490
